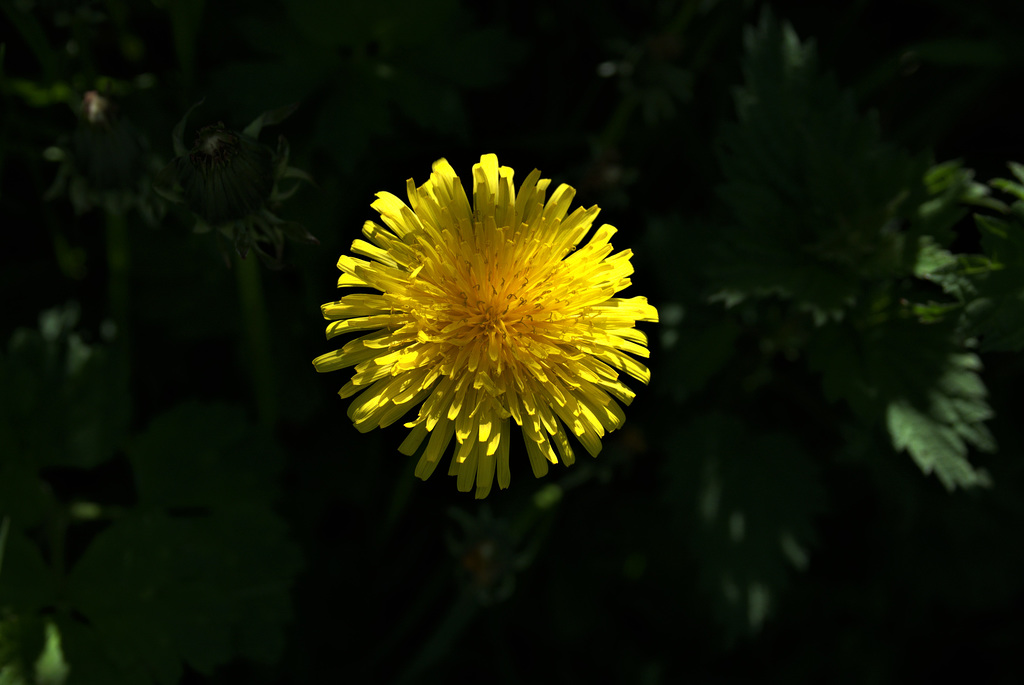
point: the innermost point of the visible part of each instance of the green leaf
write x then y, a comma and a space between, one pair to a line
202, 572
938, 445
27, 583
818, 199
162, 590
950, 186
997, 313
201, 455
912, 375
89, 659
957, 275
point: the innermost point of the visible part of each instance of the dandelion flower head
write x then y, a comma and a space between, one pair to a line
486, 314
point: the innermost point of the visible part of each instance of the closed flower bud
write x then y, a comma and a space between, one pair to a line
230, 181
226, 175
105, 162
108, 151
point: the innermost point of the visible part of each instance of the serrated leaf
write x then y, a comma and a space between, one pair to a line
914, 376
950, 186
817, 196
955, 274
996, 315
936, 446
1008, 186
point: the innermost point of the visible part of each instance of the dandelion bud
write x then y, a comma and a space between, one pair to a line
104, 162
226, 175
231, 182
108, 151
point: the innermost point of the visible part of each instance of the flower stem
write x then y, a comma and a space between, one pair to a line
254, 315
618, 122
5, 526
117, 264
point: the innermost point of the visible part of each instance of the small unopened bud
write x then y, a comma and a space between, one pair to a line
108, 151
226, 175
232, 183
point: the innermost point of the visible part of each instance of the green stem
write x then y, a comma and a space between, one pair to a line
5, 526
409, 619
254, 315
117, 263
616, 127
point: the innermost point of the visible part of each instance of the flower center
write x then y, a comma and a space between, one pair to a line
214, 145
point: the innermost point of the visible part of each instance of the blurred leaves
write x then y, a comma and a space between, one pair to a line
27, 583
846, 228
997, 314
748, 502
372, 62
816, 194
30, 652
938, 437
161, 589
63, 401
204, 456
201, 572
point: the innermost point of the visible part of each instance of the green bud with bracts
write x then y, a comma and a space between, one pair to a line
231, 182
104, 163
226, 175
108, 150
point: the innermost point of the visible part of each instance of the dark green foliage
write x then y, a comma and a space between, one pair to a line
63, 402
823, 480
198, 588
843, 227
749, 503
204, 456
818, 198
997, 312
412, 63
199, 572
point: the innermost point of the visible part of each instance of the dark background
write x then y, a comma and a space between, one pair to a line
235, 543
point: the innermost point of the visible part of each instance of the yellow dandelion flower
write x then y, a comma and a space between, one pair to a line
487, 314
